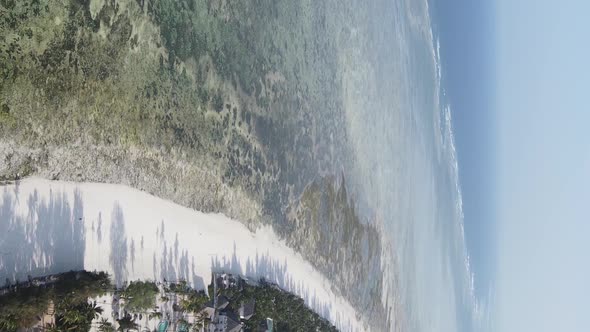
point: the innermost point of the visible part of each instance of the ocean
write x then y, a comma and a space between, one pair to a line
405, 169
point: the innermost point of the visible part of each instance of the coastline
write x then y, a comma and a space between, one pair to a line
57, 226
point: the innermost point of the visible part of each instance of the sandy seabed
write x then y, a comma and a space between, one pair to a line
55, 226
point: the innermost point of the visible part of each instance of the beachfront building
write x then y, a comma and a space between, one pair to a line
226, 321
222, 302
247, 310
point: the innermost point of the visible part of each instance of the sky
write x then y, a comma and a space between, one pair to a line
543, 165
467, 42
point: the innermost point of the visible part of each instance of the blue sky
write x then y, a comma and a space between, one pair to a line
543, 165
467, 42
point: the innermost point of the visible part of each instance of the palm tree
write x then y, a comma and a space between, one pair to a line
76, 317
8, 323
91, 310
126, 323
193, 303
73, 318
105, 326
200, 321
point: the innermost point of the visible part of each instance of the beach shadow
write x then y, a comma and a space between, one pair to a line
132, 252
198, 282
49, 239
118, 245
99, 228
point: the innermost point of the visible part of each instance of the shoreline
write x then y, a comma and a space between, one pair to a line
133, 235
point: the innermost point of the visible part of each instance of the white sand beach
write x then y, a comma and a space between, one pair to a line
55, 226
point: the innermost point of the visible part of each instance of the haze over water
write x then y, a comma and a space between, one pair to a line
405, 169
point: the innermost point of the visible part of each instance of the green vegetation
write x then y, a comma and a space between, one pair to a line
126, 323
68, 296
192, 300
76, 316
140, 296
288, 311
105, 326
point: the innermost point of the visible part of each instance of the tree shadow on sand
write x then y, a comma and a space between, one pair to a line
48, 238
118, 245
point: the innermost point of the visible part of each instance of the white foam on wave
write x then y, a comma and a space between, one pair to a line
480, 310
407, 258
